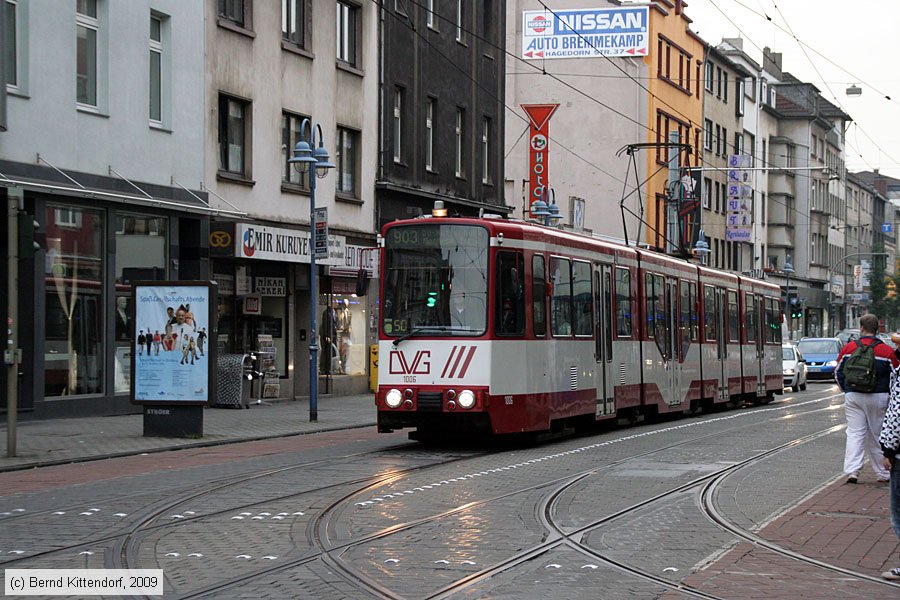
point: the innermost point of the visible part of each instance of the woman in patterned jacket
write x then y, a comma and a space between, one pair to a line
890, 445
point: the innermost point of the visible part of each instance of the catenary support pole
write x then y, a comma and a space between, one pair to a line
671, 203
11, 352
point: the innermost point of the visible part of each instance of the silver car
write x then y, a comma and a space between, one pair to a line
794, 368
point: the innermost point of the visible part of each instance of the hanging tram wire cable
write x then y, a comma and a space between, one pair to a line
699, 154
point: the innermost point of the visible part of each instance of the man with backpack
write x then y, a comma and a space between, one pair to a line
864, 373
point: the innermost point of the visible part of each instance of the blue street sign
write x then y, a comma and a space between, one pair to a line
887, 227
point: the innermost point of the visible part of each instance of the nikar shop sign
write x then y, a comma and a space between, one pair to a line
260, 242
585, 33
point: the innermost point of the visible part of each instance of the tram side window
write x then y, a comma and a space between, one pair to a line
771, 333
623, 302
750, 318
733, 318
581, 298
776, 320
685, 316
660, 322
695, 323
656, 317
509, 310
709, 313
539, 295
561, 298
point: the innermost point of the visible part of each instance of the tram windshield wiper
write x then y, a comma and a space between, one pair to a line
417, 330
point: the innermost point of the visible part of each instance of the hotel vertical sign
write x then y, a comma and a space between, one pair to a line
538, 142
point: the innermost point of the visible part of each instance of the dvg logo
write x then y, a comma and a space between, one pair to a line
399, 363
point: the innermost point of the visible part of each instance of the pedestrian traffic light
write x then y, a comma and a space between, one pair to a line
431, 302
797, 311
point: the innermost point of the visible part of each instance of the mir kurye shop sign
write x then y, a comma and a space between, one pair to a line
260, 242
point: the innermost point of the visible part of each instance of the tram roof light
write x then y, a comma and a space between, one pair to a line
438, 210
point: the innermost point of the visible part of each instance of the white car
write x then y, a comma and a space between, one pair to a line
794, 367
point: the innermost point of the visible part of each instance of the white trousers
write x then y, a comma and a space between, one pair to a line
865, 413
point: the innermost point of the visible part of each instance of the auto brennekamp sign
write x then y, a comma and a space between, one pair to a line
585, 33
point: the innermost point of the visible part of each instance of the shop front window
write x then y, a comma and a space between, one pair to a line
342, 331
141, 243
73, 361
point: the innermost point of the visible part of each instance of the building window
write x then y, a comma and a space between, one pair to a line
678, 75
347, 15
10, 33
293, 22
88, 26
486, 150
74, 303
708, 76
718, 82
707, 191
156, 51
398, 122
141, 240
460, 32
738, 143
460, 117
724, 87
345, 159
718, 140
429, 134
236, 12
707, 135
290, 135
429, 13
739, 105
233, 130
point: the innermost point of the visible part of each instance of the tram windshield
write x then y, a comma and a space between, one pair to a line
435, 280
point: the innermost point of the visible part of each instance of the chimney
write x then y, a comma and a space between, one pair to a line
737, 43
772, 62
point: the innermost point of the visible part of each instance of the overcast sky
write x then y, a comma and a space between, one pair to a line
841, 43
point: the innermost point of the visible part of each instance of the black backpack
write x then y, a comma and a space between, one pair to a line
859, 368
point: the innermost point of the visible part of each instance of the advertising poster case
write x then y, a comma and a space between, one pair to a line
173, 359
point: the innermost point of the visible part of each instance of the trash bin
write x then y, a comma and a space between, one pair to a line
373, 367
232, 384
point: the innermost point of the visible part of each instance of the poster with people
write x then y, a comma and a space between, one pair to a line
171, 334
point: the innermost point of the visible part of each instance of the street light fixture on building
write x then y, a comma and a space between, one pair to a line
312, 159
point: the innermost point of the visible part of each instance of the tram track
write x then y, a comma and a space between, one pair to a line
146, 519
127, 543
331, 552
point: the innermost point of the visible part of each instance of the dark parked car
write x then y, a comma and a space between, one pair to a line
821, 356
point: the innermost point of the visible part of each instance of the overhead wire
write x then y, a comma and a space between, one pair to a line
698, 152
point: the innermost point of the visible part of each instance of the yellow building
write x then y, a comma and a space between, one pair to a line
675, 103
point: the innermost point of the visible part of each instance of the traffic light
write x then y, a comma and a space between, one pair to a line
797, 311
431, 301
28, 234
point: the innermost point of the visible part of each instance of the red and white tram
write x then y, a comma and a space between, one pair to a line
506, 326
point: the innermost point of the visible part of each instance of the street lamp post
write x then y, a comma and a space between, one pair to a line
830, 287
788, 311
548, 212
312, 159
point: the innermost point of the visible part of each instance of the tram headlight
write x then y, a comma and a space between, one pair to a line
393, 398
466, 399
